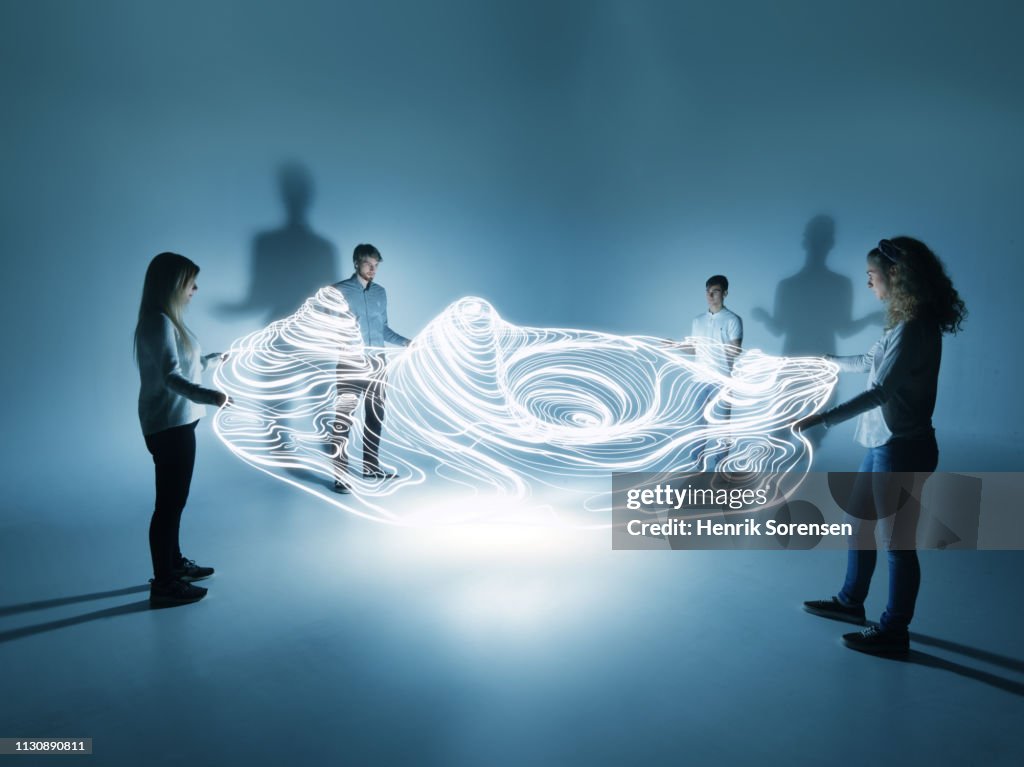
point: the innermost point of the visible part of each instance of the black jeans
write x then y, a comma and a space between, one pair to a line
174, 457
355, 384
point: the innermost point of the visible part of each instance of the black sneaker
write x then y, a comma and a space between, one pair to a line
378, 474
176, 592
188, 570
879, 641
341, 487
836, 610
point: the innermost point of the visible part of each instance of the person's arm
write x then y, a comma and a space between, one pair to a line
170, 368
735, 346
779, 322
762, 316
843, 302
391, 336
894, 369
394, 338
855, 326
685, 346
680, 346
857, 363
217, 357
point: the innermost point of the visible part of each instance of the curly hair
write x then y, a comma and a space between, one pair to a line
919, 287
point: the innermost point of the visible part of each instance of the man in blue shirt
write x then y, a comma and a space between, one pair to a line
369, 304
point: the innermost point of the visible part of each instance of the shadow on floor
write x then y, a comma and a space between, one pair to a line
45, 604
968, 672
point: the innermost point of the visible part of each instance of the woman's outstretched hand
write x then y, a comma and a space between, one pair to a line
223, 399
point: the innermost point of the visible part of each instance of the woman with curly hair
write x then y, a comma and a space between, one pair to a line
170, 405
895, 425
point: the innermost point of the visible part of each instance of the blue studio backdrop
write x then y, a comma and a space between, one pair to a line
577, 164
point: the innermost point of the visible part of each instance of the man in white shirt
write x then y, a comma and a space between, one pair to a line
723, 330
720, 325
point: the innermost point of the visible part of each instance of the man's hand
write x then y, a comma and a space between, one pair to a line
679, 346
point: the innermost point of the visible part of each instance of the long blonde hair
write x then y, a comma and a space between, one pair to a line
164, 292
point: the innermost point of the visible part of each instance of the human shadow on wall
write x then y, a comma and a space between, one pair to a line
814, 307
289, 263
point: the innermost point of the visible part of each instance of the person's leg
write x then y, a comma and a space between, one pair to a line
720, 440
351, 387
185, 568
703, 454
860, 566
862, 514
848, 604
174, 452
373, 424
915, 460
899, 496
904, 584
188, 447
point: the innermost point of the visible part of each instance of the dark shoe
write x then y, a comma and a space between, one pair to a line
836, 610
188, 570
341, 487
879, 641
176, 592
379, 474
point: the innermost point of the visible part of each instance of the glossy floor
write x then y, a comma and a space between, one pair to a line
327, 639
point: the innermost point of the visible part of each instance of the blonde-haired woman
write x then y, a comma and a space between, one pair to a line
894, 423
170, 405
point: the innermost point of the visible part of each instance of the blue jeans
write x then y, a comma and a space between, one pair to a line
888, 491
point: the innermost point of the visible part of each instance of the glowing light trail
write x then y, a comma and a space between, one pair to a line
509, 412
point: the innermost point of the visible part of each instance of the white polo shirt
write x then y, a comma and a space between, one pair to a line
723, 327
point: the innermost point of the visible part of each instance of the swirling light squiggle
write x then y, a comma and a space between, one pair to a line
500, 410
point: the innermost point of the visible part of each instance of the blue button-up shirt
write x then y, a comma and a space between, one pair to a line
370, 307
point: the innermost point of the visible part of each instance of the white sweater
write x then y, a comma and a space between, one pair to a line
170, 393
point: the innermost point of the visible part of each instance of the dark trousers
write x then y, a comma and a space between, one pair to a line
887, 492
174, 457
355, 384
